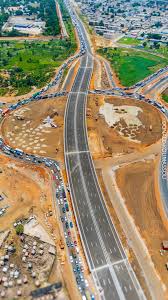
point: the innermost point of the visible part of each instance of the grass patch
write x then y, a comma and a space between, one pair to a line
163, 49
3, 91
32, 63
132, 66
130, 41
165, 97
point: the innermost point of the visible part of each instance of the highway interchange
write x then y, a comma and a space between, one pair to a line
112, 273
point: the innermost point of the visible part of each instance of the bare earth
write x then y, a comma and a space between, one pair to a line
26, 129
137, 183
105, 141
29, 188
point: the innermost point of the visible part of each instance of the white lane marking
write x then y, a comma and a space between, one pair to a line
107, 266
75, 152
104, 282
109, 281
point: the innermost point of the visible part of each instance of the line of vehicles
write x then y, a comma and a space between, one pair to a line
27, 101
66, 219
133, 95
61, 200
64, 209
148, 79
65, 213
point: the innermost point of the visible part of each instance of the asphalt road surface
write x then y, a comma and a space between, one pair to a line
161, 83
106, 258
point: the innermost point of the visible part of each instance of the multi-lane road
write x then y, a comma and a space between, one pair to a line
153, 89
113, 275
111, 271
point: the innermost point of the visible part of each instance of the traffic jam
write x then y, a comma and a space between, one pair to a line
121, 92
61, 200
64, 210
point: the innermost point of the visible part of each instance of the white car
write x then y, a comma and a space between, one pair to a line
86, 283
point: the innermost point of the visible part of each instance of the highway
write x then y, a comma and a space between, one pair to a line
111, 271
113, 275
157, 85
163, 82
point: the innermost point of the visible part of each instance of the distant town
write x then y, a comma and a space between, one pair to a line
139, 19
28, 18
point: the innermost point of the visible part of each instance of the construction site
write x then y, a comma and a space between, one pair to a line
32, 250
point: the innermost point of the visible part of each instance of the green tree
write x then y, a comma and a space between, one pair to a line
19, 229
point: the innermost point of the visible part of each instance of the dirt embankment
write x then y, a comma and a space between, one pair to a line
138, 186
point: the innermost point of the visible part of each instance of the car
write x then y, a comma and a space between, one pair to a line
82, 269
27, 158
71, 258
63, 210
47, 164
69, 233
5, 147
66, 207
67, 225
75, 243
78, 280
7, 152
62, 219
71, 224
78, 269
86, 283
